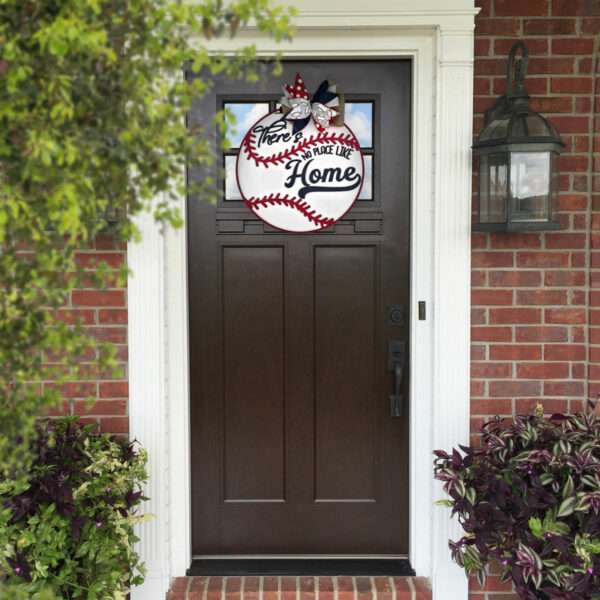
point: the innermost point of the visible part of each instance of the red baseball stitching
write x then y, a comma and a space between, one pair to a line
323, 138
294, 203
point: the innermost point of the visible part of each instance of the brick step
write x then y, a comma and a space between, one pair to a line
299, 588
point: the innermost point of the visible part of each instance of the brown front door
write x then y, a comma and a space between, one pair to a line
294, 447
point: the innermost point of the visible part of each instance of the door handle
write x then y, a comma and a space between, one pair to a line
396, 351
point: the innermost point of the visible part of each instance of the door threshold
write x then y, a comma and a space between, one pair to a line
237, 567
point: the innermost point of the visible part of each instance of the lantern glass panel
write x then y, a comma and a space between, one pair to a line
555, 185
530, 186
493, 169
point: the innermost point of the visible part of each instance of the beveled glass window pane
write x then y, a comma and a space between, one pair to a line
232, 191
366, 193
358, 116
530, 185
494, 188
246, 114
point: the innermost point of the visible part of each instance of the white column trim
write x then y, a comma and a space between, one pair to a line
439, 40
147, 398
452, 282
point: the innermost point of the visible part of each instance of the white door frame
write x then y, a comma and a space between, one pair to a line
438, 36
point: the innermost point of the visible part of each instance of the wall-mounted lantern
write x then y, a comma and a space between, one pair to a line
517, 151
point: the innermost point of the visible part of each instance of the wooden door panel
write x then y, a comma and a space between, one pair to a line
253, 373
294, 450
345, 309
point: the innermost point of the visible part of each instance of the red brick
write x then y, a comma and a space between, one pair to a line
573, 46
518, 8
98, 298
482, 86
478, 240
564, 278
573, 164
564, 315
482, 103
197, 587
542, 370
215, 585
542, 259
100, 407
180, 584
490, 66
482, 47
345, 588
112, 316
491, 334
514, 278
515, 388
114, 424
478, 316
515, 352
563, 388
515, 241
114, 389
536, 46
535, 85
526, 406
491, 259
567, 124
488, 370
577, 202
578, 260
477, 352
556, 104
497, 27
557, 241
563, 65
564, 352
542, 297
491, 406
515, 315
590, 26
542, 334
549, 26
77, 389
491, 297
477, 388
580, 142
575, 8
478, 278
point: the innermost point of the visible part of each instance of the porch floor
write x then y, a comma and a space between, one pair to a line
299, 588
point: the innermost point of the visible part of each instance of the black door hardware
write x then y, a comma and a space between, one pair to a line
396, 355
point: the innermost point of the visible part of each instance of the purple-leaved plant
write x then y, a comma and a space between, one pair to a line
529, 498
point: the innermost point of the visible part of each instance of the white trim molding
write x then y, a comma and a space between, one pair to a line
437, 35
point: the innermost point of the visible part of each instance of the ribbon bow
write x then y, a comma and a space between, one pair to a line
298, 108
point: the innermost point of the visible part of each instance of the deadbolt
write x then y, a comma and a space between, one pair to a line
395, 315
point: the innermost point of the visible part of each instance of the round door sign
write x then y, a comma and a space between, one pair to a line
300, 168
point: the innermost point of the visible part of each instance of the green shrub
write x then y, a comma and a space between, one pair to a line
68, 528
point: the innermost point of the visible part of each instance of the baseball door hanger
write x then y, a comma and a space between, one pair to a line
300, 168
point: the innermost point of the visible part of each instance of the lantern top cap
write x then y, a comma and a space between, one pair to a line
511, 122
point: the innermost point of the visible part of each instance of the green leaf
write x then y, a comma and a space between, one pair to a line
567, 507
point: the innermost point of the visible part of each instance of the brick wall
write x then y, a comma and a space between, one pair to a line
536, 311
104, 313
